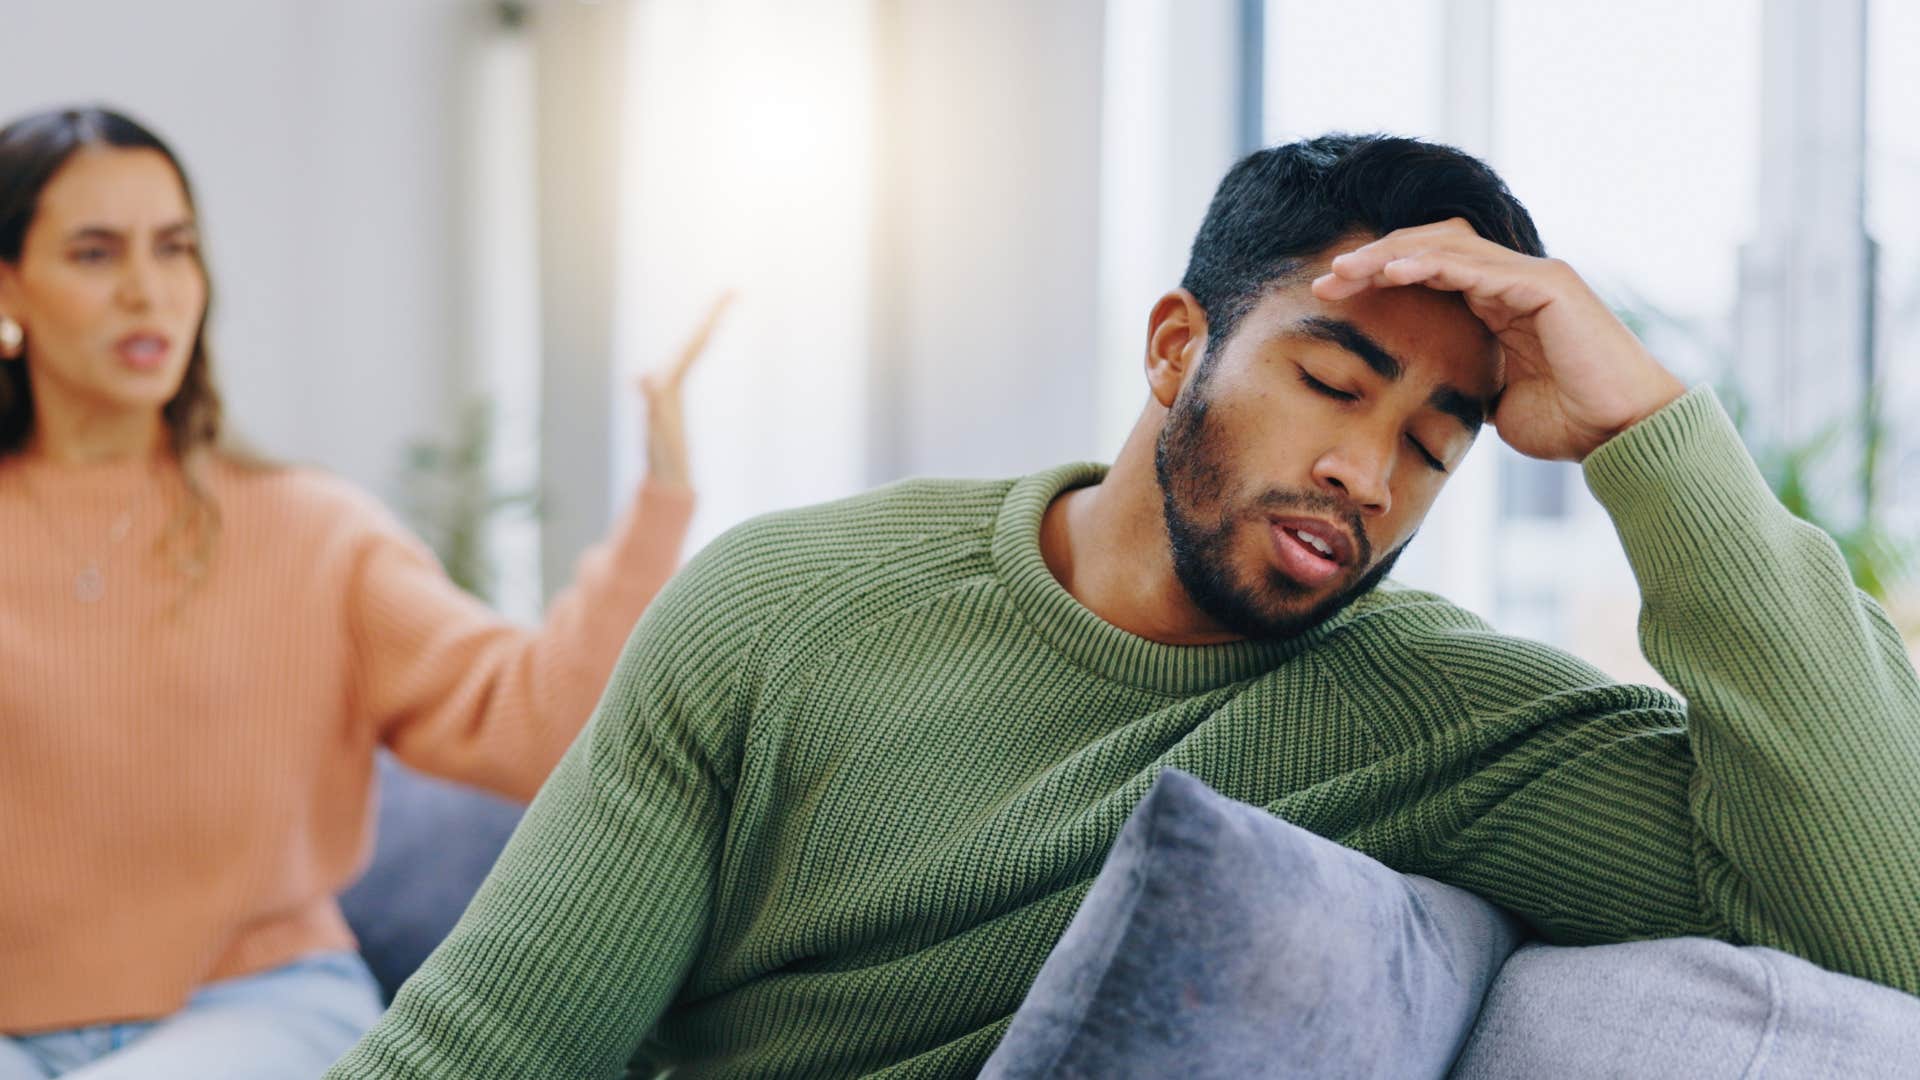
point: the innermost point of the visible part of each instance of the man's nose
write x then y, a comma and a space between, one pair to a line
1361, 473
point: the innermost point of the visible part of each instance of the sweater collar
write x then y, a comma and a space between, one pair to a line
60, 484
1092, 642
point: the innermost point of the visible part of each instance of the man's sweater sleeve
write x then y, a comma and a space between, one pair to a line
1779, 806
585, 929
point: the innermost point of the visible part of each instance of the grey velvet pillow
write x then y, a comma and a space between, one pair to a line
1687, 1008
1221, 941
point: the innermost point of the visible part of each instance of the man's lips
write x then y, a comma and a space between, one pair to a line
1326, 540
1312, 552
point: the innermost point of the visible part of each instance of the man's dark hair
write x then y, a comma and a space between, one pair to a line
1281, 205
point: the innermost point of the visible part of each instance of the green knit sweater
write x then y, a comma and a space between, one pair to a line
861, 762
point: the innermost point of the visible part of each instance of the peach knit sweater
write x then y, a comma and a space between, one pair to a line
186, 773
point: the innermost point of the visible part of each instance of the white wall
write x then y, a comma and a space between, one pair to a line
988, 229
927, 230
320, 138
748, 165
1169, 133
906, 194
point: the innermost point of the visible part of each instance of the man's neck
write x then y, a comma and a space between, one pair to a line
1107, 546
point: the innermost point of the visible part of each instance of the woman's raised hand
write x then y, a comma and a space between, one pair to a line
666, 419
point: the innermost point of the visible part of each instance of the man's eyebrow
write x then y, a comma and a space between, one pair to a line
1464, 407
1350, 337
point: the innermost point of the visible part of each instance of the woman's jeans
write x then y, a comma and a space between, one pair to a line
286, 1024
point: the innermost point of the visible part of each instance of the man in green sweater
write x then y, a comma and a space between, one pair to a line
861, 761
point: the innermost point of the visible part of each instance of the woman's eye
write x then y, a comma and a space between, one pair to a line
177, 247
90, 255
1432, 462
1323, 389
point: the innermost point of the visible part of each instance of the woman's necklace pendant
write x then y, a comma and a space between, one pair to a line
89, 585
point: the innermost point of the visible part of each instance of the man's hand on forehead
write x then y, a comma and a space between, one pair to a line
1575, 375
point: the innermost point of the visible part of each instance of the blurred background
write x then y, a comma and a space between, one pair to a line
446, 234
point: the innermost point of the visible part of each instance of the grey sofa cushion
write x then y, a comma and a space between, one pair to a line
1687, 1008
1221, 941
434, 843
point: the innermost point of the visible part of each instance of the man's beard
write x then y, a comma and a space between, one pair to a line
1188, 462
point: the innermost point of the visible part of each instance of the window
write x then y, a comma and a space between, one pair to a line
1893, 222
749, 165
1575, 105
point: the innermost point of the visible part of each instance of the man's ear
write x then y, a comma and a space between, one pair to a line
1176, 341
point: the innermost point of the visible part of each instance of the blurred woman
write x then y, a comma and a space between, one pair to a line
200, 652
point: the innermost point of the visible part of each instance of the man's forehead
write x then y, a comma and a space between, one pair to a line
1421, 333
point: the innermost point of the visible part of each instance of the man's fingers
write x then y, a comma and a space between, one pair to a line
1453, 235
1448, 271
1436, 270
1335, 287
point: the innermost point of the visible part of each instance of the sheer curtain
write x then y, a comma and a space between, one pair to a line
747, 164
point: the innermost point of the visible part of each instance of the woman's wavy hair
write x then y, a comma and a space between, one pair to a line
33, 149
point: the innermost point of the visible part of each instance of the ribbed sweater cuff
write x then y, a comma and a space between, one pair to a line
1678, 482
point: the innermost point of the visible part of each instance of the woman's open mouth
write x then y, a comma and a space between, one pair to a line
142, 351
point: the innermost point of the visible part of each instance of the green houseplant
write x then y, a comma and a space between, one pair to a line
450, 496
1879, 560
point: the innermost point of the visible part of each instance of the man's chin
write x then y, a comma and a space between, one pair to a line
1272, 610
1279, 607
1294, 619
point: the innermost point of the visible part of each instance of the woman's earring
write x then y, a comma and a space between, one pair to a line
11, 338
